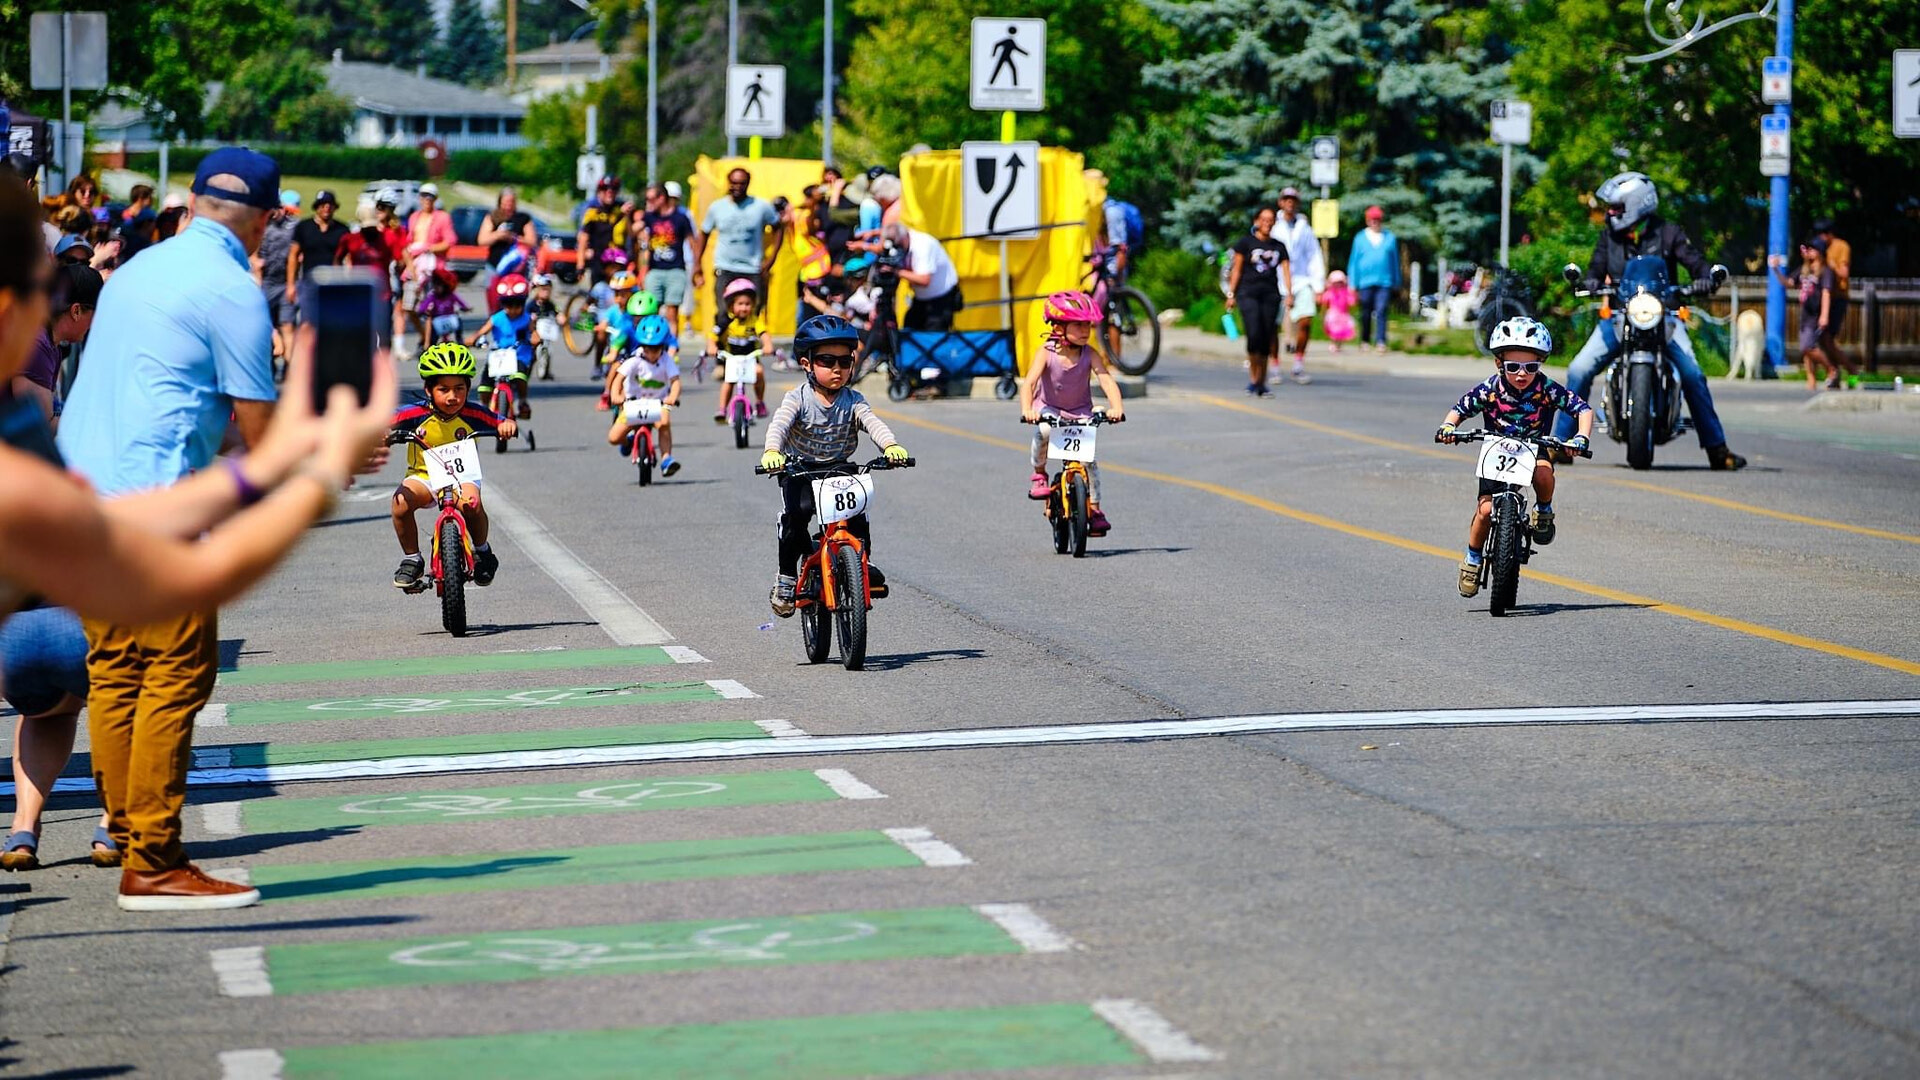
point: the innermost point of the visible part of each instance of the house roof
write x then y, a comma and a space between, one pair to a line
384, 89
578, 52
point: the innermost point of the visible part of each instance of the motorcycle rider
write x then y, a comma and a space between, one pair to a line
1634, 229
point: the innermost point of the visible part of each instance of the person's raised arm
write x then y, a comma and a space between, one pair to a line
1234, 270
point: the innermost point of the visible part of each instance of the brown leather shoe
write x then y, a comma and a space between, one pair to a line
183, 888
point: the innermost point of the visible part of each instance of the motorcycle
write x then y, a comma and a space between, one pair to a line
1641, 405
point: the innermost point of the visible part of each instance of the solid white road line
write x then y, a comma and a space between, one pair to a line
243, 971
251, 1065
731, 690
212, 765
615, 611
221, 818
846, 786
680, 654
925, 847
1022, 924
211, 716
1151, 1032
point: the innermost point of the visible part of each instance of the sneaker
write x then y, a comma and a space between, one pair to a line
1253, 389
526, 411
1543, 530
876, 583
1301, 377
1041, 487
183, 888
1097, 523
760, 410
1725, 460
409, 574
720, 417
626, 443
1260, 390
1469, 578
669, 466
605, 405
781, 598
485, 565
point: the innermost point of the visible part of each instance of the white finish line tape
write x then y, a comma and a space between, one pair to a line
615, 611
211, 766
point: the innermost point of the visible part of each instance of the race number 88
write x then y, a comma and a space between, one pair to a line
844, 501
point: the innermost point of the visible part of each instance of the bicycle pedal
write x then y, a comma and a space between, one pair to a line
418, 587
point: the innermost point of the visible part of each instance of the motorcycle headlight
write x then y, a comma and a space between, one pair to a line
1644, 311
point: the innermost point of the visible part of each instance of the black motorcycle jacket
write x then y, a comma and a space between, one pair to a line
1654, 236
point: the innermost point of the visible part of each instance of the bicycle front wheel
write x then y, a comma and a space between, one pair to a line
578, 327
453, 582
850, 597
1132, 314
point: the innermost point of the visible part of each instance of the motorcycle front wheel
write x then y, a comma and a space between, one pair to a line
1639, 418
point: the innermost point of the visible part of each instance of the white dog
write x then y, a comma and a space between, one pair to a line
1749, 345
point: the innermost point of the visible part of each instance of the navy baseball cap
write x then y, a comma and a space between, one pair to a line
259, 172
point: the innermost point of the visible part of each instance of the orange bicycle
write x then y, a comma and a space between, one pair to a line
1071, 441
833, 587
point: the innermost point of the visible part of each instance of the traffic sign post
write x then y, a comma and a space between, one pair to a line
1009, 65
1776, 81
1776, 150
68, 53
1512, 125
1906, 93
756, 101
1000, 198
1323, 162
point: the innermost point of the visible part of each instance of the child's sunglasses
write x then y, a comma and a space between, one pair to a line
838, 363
1515, 367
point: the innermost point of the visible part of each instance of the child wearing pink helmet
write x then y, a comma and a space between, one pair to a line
1060, 382
742, 331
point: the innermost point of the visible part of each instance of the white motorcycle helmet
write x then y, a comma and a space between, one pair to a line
1629, 198
1520, 332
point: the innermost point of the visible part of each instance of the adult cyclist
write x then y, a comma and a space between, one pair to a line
603, 229
1634, 229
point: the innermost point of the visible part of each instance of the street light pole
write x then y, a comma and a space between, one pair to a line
733, 57
826, 87
653, 92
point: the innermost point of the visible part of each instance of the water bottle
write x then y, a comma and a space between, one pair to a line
1229, 327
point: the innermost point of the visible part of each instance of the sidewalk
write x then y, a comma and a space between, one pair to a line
1197, 344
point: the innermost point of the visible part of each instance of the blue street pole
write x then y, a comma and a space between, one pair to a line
1777, 212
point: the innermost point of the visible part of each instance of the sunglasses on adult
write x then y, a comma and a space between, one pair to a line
1515, 367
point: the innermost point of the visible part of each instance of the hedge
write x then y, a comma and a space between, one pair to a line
370, 162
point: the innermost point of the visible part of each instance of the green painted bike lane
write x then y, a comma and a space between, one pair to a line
387, 706
441, 807
574, 951
804, 1048
600, 865
470, 664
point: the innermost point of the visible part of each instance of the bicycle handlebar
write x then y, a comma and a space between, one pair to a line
1099, 417
1545, 442
832, 468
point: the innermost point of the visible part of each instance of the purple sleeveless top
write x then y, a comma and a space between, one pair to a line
1066, 388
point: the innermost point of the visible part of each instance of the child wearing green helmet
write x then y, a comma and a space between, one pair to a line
445, 416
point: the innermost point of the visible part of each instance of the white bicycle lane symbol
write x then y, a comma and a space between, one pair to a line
524, 699
748, 941
609, 797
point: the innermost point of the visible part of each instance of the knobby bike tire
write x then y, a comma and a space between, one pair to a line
1057, 516
816, 625
850, 594
742, 424
502, 406
1077, 515
1639, 408
579, 340
453, 580
1507, 541
1139, 331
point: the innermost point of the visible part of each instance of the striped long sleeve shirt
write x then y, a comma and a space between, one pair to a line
806, 429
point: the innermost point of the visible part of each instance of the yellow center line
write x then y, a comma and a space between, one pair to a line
1429, 451
1741, 626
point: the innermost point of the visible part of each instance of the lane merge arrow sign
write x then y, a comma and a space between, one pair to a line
1001, 197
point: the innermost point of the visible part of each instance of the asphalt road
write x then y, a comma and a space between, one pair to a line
1490, 895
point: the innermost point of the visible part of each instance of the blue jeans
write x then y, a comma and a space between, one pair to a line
1373, 313
1693, 382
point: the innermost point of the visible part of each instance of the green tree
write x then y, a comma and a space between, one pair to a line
471, 49
358, 28
280, 98
410, 31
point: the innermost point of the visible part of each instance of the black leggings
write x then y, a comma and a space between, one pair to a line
796, 518
1260, 316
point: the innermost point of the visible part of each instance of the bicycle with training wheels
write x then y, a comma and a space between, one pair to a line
834, 590
549, 328
509, 386
450, 564
1071, 442
737, 370
642, 448
1508, 461
1131, 329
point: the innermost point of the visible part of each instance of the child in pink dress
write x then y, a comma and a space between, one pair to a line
1339, 299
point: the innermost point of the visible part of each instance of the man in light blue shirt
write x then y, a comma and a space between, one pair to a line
1373, 267
742, 222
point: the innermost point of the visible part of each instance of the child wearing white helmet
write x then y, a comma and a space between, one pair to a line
1516, 400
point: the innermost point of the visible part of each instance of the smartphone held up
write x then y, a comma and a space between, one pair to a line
344, 303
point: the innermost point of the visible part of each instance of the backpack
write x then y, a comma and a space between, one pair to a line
1136, 238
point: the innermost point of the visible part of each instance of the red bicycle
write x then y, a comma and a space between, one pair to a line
450, 564
833, 586
645, 413
509, 386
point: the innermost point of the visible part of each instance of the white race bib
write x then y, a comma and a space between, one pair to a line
1506, 461
739, 367
454, 463
1071, 442
643, 410
502, 363
841, 497
549, 331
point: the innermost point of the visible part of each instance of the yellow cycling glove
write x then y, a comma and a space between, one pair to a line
897, 453
773, 459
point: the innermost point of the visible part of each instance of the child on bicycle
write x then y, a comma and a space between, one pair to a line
741, 331
1060, 382
819, 422
440, 308
540, 306
650, 372
446, 416
1516, 400
512, 328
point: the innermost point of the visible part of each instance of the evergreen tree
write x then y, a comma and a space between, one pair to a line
410, 31
358, 28
472, 49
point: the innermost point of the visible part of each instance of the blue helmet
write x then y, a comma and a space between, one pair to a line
824, 330
651, 331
